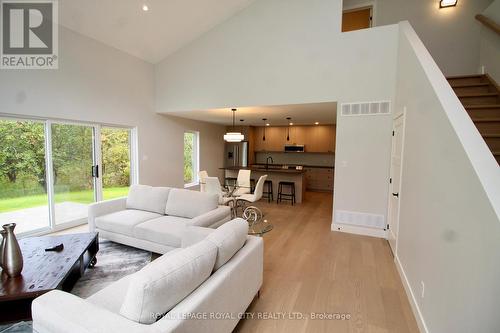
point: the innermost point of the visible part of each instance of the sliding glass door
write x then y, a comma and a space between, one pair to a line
50, 171
23, 184
116, 161
73, 170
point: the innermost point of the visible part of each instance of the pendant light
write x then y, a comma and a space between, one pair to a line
233, 136
264, 135
288, 128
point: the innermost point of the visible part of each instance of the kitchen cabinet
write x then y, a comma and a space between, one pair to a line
320, 139
275, 139
317, 139
319, 179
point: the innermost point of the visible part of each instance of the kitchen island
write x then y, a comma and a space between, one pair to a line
275, 174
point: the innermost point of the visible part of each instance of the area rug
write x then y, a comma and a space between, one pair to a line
114, 261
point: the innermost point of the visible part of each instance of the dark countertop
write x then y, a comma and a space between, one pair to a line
264, 170
306, 166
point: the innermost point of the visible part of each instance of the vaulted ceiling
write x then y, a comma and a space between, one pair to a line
151, 35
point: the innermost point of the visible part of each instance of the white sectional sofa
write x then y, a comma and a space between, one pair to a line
154, 218
203, 287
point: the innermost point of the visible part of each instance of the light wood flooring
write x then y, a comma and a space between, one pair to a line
308, 268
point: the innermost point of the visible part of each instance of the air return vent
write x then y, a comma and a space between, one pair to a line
360, 219
366, 109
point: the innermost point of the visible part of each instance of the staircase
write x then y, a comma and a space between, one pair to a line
480, 95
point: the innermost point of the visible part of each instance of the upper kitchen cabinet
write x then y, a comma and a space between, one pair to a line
275, 138
317, 139
320, 139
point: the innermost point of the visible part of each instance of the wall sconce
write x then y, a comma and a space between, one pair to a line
447, 3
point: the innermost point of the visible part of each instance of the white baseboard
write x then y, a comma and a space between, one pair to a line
380, 233
411, 297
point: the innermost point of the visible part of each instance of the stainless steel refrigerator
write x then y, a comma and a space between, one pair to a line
236, 154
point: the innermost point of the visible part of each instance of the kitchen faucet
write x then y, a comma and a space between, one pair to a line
267, 161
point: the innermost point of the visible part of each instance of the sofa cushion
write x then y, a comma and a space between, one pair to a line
189, 204
166, 230
148, 198
229, 238
124, 221
162, 284
111, 297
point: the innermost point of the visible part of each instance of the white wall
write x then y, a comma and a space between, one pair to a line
490, 43
449, 232
97, 83
452, 35
278, 52
362, 163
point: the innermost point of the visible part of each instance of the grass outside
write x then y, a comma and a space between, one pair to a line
85, 197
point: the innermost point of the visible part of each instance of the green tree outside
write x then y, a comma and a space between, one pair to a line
188, 157
22, 163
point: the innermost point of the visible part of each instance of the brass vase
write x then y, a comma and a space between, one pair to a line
12, 258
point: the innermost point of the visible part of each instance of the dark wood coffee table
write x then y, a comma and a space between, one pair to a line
45, 271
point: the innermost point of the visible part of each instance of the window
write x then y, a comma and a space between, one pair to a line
115, 147
23, 182
50, 171
191, 158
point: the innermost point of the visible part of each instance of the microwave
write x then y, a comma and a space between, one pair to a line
295, 148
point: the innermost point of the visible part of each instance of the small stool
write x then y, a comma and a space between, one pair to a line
268, 191
286, 196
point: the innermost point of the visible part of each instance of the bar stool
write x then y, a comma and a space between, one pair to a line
268, 190
286, 196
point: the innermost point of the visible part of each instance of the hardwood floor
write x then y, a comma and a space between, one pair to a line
309, 269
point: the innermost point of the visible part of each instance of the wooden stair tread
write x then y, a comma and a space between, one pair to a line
465, 76
496, 152
485, 120
466, 85
478, 94
490, 135
482, 106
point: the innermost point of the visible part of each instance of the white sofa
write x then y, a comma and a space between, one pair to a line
154, 218
204, 287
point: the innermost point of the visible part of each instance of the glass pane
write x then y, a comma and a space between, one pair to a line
72, 155
189, 142
23, 187
115, 145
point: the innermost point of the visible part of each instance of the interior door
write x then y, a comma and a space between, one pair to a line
356, 19
395, 183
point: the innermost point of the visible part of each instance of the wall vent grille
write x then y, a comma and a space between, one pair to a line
366, 109
360, 219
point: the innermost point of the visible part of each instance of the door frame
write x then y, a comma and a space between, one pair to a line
390, 223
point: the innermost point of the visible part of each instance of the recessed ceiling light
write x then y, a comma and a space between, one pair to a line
316, 123
447, 3
145, 8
